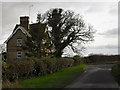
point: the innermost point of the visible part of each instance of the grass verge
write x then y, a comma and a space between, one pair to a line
116, 72
56, 80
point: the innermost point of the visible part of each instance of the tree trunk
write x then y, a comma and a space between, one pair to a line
58, 53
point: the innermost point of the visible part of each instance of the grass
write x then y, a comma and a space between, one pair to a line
116, 72
56, 80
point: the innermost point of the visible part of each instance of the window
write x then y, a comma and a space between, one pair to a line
19, 54
19, 42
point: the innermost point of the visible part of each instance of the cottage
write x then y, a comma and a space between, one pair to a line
18, 37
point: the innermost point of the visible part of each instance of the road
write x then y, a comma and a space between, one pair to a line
95, 76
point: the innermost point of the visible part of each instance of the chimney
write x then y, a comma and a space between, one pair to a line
24, 22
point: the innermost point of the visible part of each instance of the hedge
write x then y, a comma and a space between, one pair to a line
18, 69
102, 58
36, 67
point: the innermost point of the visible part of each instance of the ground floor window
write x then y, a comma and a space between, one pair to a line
19, 54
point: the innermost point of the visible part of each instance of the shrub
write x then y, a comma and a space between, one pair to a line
64, 62
18, 69
33, 67
4, 66
48, 65
78, 60
10, 73
40, 68
102, 58
51, 64
24, 68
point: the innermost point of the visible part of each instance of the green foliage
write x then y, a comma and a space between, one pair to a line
11, 73
36, 67
18, 69
116, 72
102, 58
51, 64
48, 65
4, 66
24, 68
76, 56
78, 60
39, 67
65, 62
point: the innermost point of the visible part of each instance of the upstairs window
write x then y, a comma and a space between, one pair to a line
19, 54
19, 42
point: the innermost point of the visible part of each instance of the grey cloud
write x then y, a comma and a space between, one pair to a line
93, 9
102, 6
110, 33
106, 47
11, 12
96, 7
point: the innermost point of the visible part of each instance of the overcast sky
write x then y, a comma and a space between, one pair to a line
103, 16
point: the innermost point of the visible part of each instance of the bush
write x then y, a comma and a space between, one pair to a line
39, 67
10, 74
18, 69
51, 64
64, 62
4, 66
102, 58
78, 60
25, 68
48, 65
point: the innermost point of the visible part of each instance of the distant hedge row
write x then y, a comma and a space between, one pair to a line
101, 58
36, 67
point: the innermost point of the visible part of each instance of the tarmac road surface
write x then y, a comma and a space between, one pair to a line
95, 76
